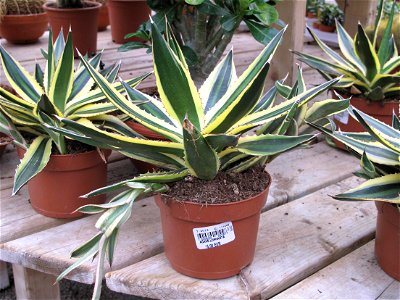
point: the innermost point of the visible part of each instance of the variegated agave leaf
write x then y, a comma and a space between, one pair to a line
59, 91
364, 67
380, 158
205, 128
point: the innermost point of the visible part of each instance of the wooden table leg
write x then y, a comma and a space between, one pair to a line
4, 280
31, 284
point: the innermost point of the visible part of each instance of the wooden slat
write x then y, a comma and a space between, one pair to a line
304, 171
16, 212
391, 292
29, 284
355, 276
287, 185
294, 241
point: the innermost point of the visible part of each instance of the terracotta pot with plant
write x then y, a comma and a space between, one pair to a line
79, 15
312, 8
208, 148
205, 28
328, 13
125, 17
379, 151
57, 169
369, 75
21, 21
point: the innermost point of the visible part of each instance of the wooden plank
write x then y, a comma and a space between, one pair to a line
391, 292
16, 212
33, 285
144, 225
304, 171
294, 241
355, 276
48, 251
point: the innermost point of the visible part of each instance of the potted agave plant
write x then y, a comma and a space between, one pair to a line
207, 147
378, 149
66, 168
21, 21
205, 28
368, 74
79, 15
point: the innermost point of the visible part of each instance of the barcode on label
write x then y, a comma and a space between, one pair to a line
214, 236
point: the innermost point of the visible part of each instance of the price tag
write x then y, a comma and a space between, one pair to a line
214, 236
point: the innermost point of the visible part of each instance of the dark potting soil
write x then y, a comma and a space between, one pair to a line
225, 188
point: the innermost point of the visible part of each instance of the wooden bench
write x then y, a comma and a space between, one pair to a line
355, 276
294, 175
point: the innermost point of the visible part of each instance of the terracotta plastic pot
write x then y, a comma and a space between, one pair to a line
126, 17
387, 239
103, 20
141, 166
23, 29
326, 28
83, 22
55, 192
315, 25
382, 112
210, 241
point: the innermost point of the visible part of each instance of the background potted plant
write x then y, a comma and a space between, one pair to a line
368, 74
79, 15
66, 168
208, 146
125, 17
378, 149
21, 21
328, 13
312, 7
205, 28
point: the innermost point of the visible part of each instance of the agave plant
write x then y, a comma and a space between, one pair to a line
210, 130
379, 152
58, 91
365, 69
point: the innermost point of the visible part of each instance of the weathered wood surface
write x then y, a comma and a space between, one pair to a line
141, 236
29, 283
294, 241
355, 276
17, 217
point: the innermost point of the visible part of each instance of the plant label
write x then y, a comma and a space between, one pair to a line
342, 117
214, 236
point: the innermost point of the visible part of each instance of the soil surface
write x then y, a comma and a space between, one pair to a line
225, 188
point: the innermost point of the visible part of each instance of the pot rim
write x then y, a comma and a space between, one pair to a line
187, 202
24, 15
50, 6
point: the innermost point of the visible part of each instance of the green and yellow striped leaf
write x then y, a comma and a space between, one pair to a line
270, 144
62, 81
385, 188
177, 89
21, 81
162, 177
366, 52
218, 82
201, 159
35, 159
237, 102
326, 108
